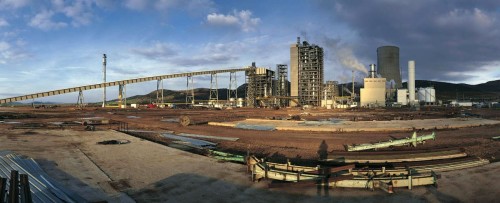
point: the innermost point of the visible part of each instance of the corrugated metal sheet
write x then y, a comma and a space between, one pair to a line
43, 188
191, 141
255, 127
209, 137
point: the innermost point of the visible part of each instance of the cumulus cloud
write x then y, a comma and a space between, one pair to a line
221, 53
158, 51
242, 19
43, 21
136, 4
211, 53
164, 5
77, 13
442, 36
221, 19
3, 22
10, 52
216, 53
13, 4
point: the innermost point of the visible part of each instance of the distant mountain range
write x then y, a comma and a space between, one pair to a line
489, 91
180, 95
448, 91
444, 91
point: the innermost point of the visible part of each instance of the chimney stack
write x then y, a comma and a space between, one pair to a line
411, 81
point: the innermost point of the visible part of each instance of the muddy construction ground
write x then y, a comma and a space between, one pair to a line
146, 171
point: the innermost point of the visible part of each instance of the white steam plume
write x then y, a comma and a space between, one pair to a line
344, 55
347, 58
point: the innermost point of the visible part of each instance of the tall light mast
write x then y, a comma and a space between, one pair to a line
104, 80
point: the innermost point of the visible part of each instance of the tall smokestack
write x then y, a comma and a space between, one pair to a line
411, 81
372, 71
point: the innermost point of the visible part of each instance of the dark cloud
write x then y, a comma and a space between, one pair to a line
444, 36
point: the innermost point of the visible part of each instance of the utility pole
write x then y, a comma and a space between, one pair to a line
353, 95
104, 80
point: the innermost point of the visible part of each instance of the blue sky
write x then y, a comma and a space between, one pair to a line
46, 45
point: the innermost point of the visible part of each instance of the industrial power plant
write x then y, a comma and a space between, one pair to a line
382, 87
284, 134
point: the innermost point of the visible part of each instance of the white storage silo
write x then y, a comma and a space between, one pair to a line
430, 95
421, 94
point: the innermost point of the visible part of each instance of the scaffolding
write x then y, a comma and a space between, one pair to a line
232, 93
259, 84
282, 89
159, 83
309, 73
122, 96
189, 90
214, 90
79, 102
330, 90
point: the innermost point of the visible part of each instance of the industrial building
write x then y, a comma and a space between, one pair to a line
374, 91
412, 96
402, 97
426, 95
259, 84
282, 85
306, 73
388, 64
330, 92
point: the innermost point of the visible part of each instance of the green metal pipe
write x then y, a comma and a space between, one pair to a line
413, 140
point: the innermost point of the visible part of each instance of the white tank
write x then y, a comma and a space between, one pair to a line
430, 95
421, 94
427, 95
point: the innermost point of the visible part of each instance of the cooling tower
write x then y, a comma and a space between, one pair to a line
388, 64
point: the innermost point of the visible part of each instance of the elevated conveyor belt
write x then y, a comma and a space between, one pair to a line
115, 83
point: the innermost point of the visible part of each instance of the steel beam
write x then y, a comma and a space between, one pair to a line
122, 96
189, 90
25, 189
79, 102
14, 187
3, 189
233, 89
214, 90
115, 83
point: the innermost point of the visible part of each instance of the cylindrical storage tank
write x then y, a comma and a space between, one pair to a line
430, 95
421, 94
433, 95
388, 64
411, 81
372, 71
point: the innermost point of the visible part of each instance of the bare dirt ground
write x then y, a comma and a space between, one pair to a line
149, 172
